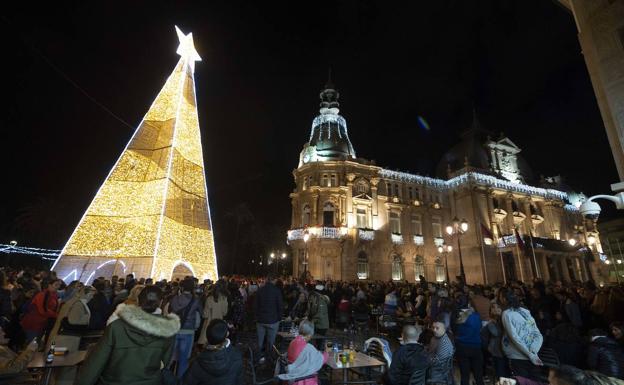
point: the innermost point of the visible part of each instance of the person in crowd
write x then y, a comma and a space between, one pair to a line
235, 316
343, 314
522, 339
391, 301
298, 311
565, 340
268, 308
480, 303
494, 334
6, 304
11, 362
468, 345
133, 299
408, 359
572, 309
420, 303
318, 309
617, 331
605, 355
441, 356
304, 360
219, 363
188, 308
99, 306
215, 307
134, 347
570, 375
42, 311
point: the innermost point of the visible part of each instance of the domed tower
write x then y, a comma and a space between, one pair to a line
328, 138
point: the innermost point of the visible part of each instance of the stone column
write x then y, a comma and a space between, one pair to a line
315, 209
350, 218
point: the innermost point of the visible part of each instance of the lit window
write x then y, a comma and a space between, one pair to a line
439, 270
419, 267
362, 265
325, 180
397, 268
416, 225
362, 223
395, 223
436, 227
305, 183
334, 180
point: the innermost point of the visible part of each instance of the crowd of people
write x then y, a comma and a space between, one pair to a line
149, 330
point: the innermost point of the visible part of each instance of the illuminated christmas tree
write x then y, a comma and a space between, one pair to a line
151, 216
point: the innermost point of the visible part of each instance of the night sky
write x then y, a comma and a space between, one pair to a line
80, 75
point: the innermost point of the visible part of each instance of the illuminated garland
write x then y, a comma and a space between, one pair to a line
475, 177
43, 253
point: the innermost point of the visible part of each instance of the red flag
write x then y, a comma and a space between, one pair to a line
519, 240
488, 238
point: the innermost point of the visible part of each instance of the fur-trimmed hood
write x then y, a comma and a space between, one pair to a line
151, 324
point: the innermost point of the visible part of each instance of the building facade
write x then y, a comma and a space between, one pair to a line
352, 219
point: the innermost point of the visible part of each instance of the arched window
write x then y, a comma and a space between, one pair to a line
305, 216
419, 267
362, 265
328, 214
439, 270
397, 268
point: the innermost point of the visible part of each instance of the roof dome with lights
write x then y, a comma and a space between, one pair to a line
328, 138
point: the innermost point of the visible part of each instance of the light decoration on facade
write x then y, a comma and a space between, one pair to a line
318, 232
328, 119
397, 239
153, 206
438, 241
419, 240
366, 235
473, 177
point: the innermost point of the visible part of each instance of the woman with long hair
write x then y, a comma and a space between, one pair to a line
522, 339
216, 307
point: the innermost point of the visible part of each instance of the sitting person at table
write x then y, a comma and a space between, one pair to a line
134, 347
408, 359
219, 363
12, 363
303, 358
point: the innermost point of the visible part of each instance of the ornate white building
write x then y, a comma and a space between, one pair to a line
352, 219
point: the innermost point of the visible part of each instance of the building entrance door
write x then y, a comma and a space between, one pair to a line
510, 266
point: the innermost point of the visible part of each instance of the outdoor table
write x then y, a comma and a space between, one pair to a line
67, 360
361, 361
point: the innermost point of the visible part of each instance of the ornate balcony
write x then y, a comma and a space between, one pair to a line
318, 232
366, 234
419, 240
397, 239
438, 241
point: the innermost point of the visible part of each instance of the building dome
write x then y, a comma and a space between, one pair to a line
329, 139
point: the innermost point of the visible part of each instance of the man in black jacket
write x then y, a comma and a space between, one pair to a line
605, 355
409, 361
268, 307
219, 363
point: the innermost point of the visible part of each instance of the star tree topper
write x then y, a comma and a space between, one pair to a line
186, 49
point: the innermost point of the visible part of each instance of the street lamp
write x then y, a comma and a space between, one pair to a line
445, 249
458, 228
306, 238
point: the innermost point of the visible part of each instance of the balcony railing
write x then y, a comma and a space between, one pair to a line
397, 239
438, 241
318, 232
419, 240
366, 235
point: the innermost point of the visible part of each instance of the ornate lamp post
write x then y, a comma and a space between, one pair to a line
458, 228
445, 249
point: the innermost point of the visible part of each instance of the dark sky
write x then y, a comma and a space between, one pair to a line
518, 63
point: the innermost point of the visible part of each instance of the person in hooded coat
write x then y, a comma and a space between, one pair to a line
219, 363
134, 347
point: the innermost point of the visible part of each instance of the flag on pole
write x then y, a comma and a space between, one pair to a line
488, 238
519, 240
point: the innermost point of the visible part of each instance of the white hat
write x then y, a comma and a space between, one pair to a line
319, 287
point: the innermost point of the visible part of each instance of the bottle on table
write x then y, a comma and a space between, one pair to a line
50, 356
